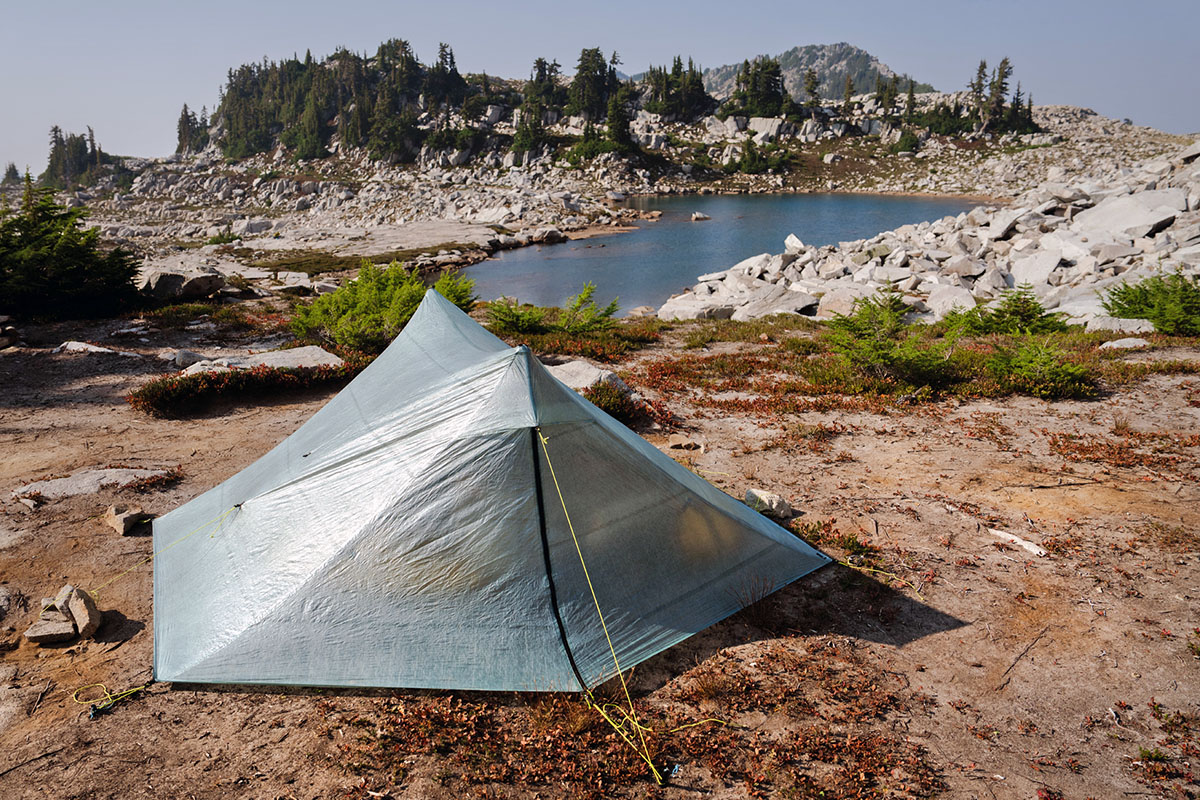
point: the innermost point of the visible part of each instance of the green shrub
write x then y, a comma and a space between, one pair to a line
874, 341
614, 402
50, 266
226, 236
1019, 311
908, 143
1041, 369
367, 313
506, 317
582, 316
180, 395
1172, 303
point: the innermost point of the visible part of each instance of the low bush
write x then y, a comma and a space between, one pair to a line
1018, 311
626, 410
367, 313
875, 341
908, 143
227, 236
1172, 303
1041, 369
506, 317
581, 314
180, 395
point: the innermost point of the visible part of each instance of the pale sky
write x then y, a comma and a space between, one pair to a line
125, 67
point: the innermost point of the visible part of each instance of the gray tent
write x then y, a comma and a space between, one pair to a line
411, 534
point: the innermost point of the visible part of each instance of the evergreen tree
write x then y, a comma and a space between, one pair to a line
51, 266
11, 174
847, 96
910, 106
618, 119
530, 134
678, 93
812, 88
977, 84
543, 88
588, 95
997, 91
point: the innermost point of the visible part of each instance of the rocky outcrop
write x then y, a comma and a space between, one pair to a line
1068, 242
294, 358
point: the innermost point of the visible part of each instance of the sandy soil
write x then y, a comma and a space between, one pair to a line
1023, 674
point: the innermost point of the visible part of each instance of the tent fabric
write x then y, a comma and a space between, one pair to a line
410, 534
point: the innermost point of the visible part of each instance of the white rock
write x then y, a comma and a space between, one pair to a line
1035, 269
1128, 343
944, 298
1119, 325
295, 358
768, 503
87, 481
580, 375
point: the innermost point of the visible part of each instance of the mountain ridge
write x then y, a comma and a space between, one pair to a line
833, 62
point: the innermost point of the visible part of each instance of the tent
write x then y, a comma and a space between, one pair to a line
412, 534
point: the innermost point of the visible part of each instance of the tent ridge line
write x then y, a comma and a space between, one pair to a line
541, 507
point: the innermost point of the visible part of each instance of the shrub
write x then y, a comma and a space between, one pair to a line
226, 236
614, 402
1041, 369
1019, 311
506, 317
367, 313
582, 316
873, 340
1172, 303
908, 143
50, 266
178, 395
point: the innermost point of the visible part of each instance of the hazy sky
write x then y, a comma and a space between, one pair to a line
125, 67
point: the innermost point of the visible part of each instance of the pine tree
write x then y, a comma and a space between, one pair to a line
588, 95
910, 106
976, 86
812, 88
847, 96
618, 119
997, 91
11, 174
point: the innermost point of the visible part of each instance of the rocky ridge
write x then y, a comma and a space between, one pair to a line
456, 208
1069, 239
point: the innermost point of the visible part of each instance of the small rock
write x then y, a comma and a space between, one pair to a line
52, 628
185, 358
768, 503
83, 611
123, 520
677, 441
1128, 343
699, 216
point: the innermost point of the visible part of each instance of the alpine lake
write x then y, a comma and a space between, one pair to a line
663, 257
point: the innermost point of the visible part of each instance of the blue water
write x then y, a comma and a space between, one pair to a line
661, 258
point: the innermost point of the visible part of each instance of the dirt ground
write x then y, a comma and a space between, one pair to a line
1002, 673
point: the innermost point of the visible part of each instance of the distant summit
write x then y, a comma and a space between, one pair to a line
833, 62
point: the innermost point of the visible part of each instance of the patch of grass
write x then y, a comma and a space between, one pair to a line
763, 329
315, 262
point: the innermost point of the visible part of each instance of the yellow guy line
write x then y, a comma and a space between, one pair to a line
215, 520
631, 715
